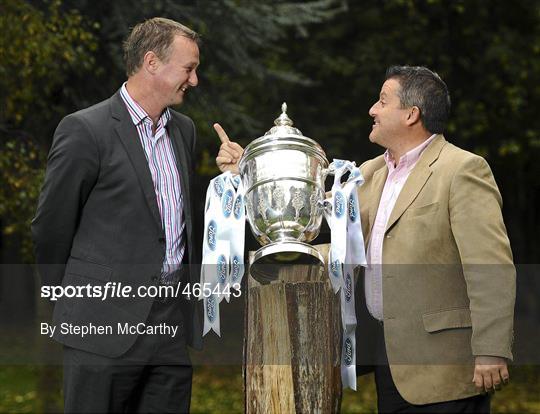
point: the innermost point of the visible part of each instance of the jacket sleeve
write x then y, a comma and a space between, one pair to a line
72, 170
479, 231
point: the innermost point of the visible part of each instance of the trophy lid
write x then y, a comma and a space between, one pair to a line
283, 135
283, 125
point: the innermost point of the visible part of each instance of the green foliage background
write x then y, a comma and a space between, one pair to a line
325, 58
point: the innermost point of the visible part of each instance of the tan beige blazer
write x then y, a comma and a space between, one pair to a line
448, 274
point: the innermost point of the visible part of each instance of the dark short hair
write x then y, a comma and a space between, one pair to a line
425, 89
156, 35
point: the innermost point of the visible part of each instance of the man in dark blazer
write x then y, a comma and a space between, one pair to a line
116, 210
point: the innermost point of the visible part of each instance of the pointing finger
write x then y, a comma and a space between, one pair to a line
221, 133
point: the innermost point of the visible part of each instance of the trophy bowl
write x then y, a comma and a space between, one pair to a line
283, 174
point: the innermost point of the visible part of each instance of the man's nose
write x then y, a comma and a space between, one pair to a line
372, 110
193, 79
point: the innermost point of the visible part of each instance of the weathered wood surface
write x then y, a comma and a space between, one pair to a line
292, 343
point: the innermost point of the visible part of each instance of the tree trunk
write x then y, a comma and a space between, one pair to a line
292, 343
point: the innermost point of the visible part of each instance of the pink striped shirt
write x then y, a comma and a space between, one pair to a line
396, 179
162, 163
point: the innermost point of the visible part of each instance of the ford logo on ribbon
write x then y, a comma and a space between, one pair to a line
348, 352
235, 274
353, 212
339, 204
211, 308
348, 287
335, 268
219, 186
222, 269
238, 206
211, 233
227, 203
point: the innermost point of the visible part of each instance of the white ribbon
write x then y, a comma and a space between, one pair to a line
223, 245
342, 213
223, 250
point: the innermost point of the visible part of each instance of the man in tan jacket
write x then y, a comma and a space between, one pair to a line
435, 305
438, 255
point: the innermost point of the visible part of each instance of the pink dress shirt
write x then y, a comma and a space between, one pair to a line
396, 179
158, 148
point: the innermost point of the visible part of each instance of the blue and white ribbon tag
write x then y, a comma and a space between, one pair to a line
223, 250
342, 212
213, 276
223, 245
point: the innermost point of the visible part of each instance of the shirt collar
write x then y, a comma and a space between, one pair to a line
137, 113
409, 159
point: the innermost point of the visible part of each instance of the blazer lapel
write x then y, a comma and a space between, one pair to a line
417, 179
130, 139
183, 164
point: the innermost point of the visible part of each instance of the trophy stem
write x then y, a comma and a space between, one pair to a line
268, 260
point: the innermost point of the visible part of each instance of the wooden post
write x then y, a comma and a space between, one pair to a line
292, 343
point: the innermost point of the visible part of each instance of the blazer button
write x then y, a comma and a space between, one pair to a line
154, 278
162, 239
388, 236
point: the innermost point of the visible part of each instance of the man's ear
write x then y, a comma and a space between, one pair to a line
150, 62
413, 116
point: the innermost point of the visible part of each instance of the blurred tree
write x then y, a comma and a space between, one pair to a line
38, 48
489, 55
487, 52
243, 53
327, 64
49, 48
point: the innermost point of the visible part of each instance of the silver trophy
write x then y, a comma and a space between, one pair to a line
283, 174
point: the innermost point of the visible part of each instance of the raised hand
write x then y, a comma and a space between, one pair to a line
229, 152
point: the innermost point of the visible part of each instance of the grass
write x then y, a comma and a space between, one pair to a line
37, 389
29, 386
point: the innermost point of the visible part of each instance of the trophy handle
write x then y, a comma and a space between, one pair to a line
326, 205
330, 170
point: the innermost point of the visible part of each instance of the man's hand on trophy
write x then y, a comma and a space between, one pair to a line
229, 152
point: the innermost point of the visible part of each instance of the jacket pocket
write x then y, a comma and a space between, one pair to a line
89, 270
447, 319
422, 210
